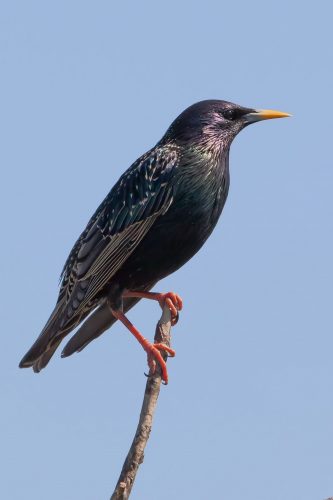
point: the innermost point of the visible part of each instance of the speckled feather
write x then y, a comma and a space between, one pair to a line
155, 218
142, 193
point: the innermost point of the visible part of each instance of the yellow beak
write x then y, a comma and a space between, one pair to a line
264, 114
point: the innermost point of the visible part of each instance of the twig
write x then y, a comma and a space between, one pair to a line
135, 455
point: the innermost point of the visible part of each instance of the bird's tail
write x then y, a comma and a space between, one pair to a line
54, 332
43, 360
47, 342
96, 324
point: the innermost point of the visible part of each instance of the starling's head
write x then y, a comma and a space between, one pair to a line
215, 122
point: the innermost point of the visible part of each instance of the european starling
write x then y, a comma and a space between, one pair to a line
154, 219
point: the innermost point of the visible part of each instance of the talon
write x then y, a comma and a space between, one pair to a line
174, 303
154, 356
153, 350
174, 319
171, 306
168, 350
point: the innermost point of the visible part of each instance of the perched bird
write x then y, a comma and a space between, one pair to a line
154, 219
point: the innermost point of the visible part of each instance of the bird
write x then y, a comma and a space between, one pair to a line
155, 218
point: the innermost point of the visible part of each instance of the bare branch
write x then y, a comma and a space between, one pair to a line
135, 455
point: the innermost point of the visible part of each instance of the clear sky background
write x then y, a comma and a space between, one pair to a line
86, 87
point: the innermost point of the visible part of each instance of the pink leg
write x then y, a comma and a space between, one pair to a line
172, 299
152, 350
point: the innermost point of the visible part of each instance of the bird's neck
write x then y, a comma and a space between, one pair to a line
202, 162
203, 176
207, 158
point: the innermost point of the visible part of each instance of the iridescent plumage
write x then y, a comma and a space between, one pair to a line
155, 218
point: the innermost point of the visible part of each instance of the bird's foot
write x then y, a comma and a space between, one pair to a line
171, 299
153, 350
174, 303
154, 357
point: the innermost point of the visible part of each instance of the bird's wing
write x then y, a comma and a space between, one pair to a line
142, 194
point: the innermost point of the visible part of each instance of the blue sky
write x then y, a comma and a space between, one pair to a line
86, 88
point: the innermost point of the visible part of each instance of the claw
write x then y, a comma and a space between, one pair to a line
174, 303
152, 350
154, 356
174, 320
163, 347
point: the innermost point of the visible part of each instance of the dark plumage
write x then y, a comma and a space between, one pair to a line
155, 218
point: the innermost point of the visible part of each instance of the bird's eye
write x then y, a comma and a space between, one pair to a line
229, 114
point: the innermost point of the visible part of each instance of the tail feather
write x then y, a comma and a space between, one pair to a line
43, 341
43, 360
47, 342
54, 332
96, 324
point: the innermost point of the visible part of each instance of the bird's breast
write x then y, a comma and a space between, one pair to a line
200, 193
197, 205
179, 234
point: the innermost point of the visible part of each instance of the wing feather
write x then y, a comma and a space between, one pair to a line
142, 194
